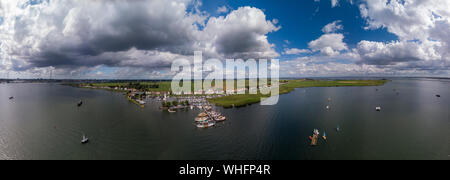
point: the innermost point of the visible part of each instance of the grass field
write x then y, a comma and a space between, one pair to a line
287, 87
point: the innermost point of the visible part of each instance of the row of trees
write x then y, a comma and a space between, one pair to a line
175, 103
140, 86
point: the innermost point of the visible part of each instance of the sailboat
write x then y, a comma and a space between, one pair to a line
324, 135
84, 140
316, 132
80, 103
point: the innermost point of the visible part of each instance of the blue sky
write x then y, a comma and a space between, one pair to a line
302, 21
140, 39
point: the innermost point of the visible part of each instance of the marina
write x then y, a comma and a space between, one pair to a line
208, 117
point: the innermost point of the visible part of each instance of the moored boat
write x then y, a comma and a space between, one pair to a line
324, 137
201, 119
314, 137
206, 124
141, 102
171, 111
203, 114
221, 118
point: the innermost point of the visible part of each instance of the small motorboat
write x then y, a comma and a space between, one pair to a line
378, 108
203, 114
12, 97
201, 119
314, 137
338, 128
206, 124
141, 102
171, 111
328, 107
324, 137
84, 140
221, 118
80, 103
438, 95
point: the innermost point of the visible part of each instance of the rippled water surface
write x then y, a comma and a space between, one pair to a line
43, 122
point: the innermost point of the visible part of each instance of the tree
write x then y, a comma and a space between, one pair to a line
175, 103
186, 102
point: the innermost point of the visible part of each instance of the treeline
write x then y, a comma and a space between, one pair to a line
175, 103
140, 86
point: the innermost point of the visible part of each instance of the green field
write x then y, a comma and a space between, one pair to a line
288, 86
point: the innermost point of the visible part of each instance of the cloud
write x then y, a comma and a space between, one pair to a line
222, 9
67, 33
334, 3
379, 53
233, 40
329, 44
333, 27
422, 28
294, 51
73, 34
319, 66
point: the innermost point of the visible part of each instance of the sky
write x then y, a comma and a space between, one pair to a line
140, 39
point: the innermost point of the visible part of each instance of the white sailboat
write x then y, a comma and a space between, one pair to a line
84, 140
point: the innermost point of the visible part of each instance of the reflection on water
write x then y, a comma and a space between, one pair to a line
43, 122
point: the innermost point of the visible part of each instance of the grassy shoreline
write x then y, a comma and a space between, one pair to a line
287, 87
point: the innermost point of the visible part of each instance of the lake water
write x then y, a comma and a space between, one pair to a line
43, 122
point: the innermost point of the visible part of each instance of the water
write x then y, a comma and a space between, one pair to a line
43, 122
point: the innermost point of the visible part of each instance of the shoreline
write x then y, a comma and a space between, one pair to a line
288, 87
225, 101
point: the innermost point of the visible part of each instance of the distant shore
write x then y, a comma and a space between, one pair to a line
287, 86
162, 88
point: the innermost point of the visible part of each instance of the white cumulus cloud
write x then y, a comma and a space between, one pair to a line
329, 44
